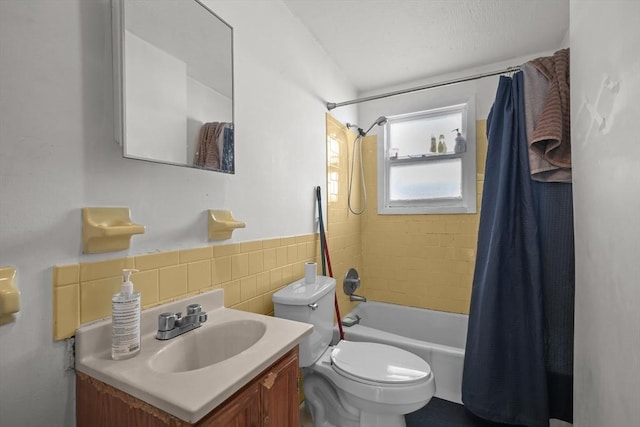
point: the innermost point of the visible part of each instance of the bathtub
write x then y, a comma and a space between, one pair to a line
437, 337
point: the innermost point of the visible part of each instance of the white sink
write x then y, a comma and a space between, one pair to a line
191, 374
203, 347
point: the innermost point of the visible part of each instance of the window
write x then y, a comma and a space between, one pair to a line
420, 168
333, 167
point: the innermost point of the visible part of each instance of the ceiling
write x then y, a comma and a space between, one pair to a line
379, 43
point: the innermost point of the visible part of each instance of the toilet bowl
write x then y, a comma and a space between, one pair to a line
351, 384
381, 382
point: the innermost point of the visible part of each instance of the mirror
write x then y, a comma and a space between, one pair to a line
173, 71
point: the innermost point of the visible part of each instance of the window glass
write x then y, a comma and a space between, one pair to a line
427, 180
414, 137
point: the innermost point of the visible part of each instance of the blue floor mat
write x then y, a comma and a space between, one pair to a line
442, 413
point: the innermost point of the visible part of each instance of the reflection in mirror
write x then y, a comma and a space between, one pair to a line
174, 83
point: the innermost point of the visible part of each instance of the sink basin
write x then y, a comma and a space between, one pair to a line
207, 345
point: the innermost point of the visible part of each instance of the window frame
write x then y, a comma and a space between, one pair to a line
463, 205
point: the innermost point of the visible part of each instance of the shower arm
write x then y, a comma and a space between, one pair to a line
379, 122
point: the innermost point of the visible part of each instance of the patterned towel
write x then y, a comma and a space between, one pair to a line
551, 139
208, 153
536, 92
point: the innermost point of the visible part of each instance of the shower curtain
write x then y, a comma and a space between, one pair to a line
519, 352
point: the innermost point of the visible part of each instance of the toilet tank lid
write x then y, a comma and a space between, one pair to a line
300, 293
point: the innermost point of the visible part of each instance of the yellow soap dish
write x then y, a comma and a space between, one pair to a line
107, 230
222, 224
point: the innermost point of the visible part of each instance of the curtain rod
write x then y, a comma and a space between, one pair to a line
332, 105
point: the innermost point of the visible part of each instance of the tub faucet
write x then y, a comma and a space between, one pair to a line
170, 325
354, 297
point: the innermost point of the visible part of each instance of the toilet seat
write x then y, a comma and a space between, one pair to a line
400, 397
378, 364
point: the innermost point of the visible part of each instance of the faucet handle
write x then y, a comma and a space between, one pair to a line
194, 308
167, 321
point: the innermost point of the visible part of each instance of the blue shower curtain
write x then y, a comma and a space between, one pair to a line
520, 338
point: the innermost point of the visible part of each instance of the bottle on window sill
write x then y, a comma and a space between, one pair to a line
442, 145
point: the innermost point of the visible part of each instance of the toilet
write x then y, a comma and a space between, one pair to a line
351, 384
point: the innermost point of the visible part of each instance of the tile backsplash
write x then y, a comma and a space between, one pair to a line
249, 273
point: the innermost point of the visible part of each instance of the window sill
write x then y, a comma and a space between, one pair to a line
423, 157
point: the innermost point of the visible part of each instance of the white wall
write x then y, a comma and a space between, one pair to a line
606, 159
58, 154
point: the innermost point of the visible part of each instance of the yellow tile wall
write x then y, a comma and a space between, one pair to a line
343, 227
419, 260
416, 260
249, 273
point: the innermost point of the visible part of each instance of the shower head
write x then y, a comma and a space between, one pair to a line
382, 120
379, 122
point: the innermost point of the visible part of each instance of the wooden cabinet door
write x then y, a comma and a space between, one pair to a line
242, 410
280, 400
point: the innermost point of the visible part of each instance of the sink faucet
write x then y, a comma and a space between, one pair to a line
170, 325
354, 297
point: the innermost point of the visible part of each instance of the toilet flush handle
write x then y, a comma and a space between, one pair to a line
313, 306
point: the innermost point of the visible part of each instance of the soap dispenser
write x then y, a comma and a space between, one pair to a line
461, 143
125, 341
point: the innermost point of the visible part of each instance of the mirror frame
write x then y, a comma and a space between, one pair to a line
118, 29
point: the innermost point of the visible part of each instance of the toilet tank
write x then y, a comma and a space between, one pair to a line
309, 303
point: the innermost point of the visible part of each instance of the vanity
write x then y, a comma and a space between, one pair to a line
237, 369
